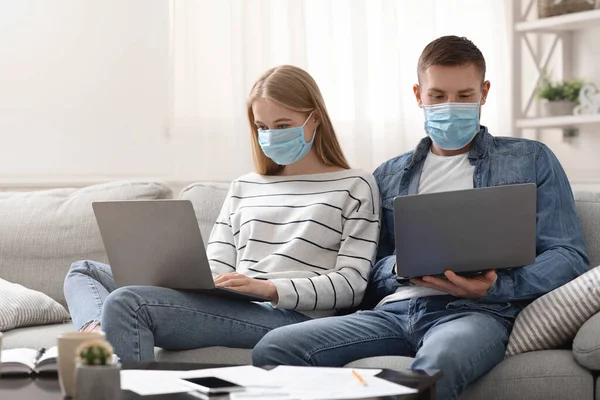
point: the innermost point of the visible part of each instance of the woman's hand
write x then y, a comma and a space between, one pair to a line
243, 283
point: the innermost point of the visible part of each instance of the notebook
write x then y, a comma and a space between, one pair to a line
27, 361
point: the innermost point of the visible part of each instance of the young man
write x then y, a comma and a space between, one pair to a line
459, 325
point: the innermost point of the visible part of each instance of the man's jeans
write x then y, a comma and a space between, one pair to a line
464, 344
137, 318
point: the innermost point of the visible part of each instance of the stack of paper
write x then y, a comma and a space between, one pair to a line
152, 382
288, 383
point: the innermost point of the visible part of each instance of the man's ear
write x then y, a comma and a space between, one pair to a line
484, 91
417, 92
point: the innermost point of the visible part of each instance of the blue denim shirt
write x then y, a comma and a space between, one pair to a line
560, 248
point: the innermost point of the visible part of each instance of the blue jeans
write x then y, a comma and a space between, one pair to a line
137, 318
464, 344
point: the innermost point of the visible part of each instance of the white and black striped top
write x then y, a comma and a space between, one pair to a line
314, 236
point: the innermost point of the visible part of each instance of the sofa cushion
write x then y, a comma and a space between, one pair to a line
588, 210
552, 320
21, 307
547, 375
586, 346
207, 199
395, 363
208, 355
43, 232
35, 337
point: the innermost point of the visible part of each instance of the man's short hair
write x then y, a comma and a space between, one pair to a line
451, 51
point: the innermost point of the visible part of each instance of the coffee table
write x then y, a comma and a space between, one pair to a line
46, 387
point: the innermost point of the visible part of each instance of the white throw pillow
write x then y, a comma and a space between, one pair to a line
20, 306
553, 320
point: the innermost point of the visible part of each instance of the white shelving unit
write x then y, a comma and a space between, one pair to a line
567, 22
560, 28
567, 121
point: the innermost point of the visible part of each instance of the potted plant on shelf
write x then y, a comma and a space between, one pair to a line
561, 97
97, 376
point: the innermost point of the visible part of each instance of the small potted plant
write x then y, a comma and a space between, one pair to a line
97, 377
561, 97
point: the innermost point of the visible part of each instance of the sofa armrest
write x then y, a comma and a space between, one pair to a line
586, 345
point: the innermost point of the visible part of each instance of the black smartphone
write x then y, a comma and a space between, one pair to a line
214, 385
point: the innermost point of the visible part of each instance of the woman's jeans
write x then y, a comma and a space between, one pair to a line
137, 318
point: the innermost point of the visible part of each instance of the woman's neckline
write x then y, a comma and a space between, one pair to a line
314, 175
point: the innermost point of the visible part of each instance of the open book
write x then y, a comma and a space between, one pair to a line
28, 361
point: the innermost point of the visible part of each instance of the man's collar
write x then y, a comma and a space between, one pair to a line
478, 150
481, 143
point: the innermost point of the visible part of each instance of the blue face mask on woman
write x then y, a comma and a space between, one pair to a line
452, 126
285, 146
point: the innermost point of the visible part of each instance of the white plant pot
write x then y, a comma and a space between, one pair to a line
556, 108
98, 382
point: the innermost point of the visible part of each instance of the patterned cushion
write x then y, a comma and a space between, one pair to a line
553, 319
20, 306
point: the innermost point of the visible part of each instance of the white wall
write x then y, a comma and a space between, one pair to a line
83, 91
84, 97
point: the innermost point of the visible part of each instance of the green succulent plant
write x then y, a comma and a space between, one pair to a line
556, 91
95, 352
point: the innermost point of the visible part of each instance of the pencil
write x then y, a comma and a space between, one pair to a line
359, 378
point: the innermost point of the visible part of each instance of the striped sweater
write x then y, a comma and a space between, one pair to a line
314, 236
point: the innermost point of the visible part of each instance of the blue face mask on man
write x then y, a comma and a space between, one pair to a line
285, 146
452, 126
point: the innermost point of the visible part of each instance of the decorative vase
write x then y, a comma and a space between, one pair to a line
559, 107
98, 382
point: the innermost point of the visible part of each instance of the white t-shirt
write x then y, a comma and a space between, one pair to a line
439, 174
445, 174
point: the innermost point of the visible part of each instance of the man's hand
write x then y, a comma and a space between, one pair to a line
243, 283
458, 286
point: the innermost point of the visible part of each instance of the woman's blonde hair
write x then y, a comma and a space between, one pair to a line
294, 88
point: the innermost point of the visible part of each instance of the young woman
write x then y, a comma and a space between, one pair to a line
301, 231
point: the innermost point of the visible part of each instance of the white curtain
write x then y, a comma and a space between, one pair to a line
362, 53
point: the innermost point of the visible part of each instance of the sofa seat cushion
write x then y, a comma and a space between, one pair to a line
395, 363
43, 232
586, 346
35, 337
208, 355
547, 375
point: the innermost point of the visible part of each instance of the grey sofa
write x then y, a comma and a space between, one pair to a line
41, 233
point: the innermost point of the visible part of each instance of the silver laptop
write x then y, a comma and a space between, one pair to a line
466, 231
158, 243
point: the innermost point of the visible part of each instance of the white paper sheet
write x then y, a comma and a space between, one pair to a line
262, 394
287, 374
338, 386
144, 382
281, 383
151, 382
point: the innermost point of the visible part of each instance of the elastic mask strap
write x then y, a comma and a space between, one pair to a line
309, 115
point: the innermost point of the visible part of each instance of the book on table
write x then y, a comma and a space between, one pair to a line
28, 361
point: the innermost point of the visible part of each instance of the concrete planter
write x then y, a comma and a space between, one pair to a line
557, 108
98, 382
